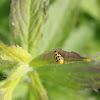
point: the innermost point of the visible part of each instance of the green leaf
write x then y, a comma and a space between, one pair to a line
77, 75
37, 89
92, 7
61, 19
6, 64
1, 84
12, 80
50, 58
14, 53
23, 86
27, 19
59, 93
78, 44
30, 94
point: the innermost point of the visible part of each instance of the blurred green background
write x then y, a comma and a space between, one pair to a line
73, 25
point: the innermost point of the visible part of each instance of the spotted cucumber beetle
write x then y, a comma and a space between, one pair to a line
58, 57
72, 56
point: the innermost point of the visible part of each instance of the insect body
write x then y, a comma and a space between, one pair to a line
58, 57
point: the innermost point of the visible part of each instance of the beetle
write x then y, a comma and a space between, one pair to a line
58, 57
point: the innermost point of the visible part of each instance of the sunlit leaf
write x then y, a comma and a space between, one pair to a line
14, 53
6, 64
12, 80
1, 84
27, 19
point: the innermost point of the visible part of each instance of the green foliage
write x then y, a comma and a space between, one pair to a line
38, 90
4, 21
27, 23
49, 58
12, 80
60, 23
6, 64
71, 24
77, 75
14, 53
91, 8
